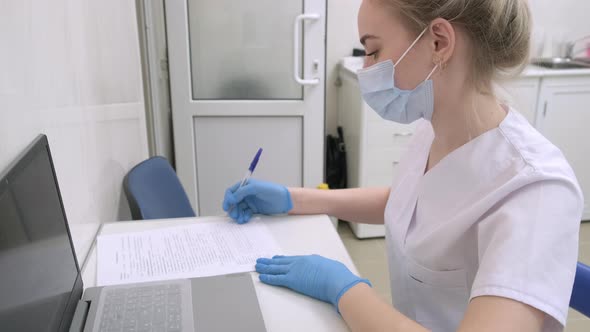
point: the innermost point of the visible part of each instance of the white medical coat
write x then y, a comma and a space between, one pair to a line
499, 216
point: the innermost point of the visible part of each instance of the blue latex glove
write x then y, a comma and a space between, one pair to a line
315, 276
256, 197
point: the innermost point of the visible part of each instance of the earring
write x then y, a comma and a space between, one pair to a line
438, 61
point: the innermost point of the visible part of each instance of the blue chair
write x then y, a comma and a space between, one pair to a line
580, 300
154, 191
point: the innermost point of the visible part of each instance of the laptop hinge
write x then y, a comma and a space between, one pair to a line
80, 315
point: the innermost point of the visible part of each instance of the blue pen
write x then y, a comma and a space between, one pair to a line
249, 172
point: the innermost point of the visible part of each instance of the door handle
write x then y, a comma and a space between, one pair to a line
297, 48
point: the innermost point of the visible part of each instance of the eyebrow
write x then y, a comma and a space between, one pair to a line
365, 37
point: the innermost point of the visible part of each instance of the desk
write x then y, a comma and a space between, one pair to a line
282, 309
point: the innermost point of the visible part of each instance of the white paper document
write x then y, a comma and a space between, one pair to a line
196, 250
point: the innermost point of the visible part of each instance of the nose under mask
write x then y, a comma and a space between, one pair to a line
377, 84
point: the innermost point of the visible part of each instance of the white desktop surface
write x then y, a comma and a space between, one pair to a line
282, 309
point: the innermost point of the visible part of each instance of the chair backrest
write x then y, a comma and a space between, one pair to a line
580, 300
154, 191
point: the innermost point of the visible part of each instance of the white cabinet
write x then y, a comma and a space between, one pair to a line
374, 146
564, 118
522, 94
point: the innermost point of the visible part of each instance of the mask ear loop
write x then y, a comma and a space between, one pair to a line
431, 73
410, 48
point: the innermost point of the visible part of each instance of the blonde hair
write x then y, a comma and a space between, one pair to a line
499, 31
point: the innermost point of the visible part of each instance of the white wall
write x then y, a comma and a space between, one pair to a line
560, 21
71, 69
563, 16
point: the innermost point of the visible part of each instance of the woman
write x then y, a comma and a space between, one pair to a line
482, 221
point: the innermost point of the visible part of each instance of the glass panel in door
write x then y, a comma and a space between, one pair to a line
243, 49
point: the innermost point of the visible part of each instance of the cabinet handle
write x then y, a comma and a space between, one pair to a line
545, 109
395, 163
402, 134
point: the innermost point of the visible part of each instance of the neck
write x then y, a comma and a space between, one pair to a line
460, 118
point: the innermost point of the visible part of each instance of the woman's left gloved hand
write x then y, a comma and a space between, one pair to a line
315, 276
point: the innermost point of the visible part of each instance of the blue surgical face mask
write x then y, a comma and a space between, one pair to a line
378, 88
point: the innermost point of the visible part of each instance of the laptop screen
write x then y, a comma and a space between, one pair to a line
38, 268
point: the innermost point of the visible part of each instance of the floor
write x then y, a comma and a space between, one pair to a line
371, 261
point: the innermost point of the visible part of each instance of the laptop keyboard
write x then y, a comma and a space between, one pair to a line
154, 308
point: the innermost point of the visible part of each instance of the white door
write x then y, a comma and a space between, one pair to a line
564, 115
244, 75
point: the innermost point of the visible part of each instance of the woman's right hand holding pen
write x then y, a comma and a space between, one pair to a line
256, 197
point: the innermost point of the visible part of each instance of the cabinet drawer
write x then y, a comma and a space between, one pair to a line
384, 177
385, 135
380, 166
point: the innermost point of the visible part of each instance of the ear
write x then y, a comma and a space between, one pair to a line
443, 43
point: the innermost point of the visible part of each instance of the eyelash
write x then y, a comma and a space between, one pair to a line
374, 54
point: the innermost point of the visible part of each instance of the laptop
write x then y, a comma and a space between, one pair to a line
41, 286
